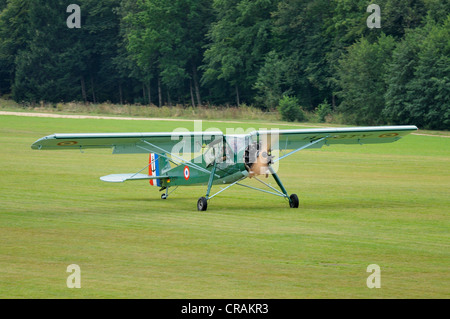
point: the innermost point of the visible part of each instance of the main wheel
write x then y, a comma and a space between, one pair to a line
163, 196
202, 204
293, 201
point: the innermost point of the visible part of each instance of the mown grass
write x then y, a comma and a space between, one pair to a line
359, 205
215, 113
137, 110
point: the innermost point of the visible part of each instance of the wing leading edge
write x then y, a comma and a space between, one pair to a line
127, 143
294, 139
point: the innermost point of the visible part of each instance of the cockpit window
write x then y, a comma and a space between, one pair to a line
213, 152
236, 143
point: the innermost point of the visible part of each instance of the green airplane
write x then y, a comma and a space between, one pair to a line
213, 158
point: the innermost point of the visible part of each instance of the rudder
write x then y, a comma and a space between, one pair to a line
158, 165
153, 169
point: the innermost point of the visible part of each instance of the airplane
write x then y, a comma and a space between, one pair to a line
213, 158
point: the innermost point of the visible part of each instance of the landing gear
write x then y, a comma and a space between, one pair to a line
293, 201
166, 194
202, 204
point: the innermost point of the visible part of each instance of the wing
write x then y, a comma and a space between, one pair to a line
129, 143
316, 138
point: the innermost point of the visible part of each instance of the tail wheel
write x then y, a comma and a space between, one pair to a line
202, 204
293, 201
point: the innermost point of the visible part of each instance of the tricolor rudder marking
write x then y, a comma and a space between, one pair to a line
153, 169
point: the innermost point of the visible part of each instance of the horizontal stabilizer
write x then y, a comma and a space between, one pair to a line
119, 178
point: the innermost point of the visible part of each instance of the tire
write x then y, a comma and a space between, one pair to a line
163, 196
293, 201
202, 204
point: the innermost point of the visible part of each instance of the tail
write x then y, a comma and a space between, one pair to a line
158, 165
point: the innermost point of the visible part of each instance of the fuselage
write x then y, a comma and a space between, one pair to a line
229, 157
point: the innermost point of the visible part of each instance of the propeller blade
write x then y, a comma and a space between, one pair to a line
264, 159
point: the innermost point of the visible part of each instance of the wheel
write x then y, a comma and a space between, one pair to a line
163, 196
202, 204
293, 201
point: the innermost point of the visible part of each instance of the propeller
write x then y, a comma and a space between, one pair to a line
263, 158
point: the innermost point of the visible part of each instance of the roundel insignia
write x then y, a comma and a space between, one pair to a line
186, 173
389, 135
67, 143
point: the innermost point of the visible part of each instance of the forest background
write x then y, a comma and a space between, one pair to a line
291, 56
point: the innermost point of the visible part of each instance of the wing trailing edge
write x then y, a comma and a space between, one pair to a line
120, 178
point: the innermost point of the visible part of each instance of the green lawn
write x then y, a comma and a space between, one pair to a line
359, 205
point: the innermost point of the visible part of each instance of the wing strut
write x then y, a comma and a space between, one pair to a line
190, 164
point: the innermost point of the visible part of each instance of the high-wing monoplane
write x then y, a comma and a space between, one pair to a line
213, 158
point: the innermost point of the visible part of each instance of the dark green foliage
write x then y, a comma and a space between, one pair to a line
323, 110
13, 38
320, 53
44, 68
290, 109
302, 45
271, 83
239, 40
401, 15
360, 75
419, 78
166, 40
398, 77
431, 84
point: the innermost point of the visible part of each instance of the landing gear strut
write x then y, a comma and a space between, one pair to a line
293, 199
202, 203
165, 194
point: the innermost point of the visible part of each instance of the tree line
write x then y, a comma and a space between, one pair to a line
320, 53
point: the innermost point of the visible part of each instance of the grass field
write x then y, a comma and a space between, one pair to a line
359, 205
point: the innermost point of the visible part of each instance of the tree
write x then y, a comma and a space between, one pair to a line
302, 42
432, 78
398, 76
55, 63
360, 77
3, 4
400, 15
168, 37
239, 38
271, 84
13, 38
45, 64
419, 78
290, 109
